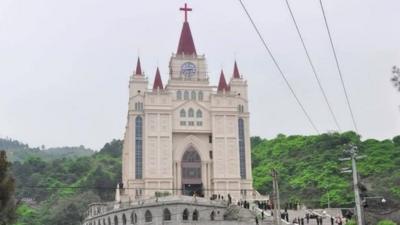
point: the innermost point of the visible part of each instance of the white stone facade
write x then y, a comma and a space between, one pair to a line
167, 133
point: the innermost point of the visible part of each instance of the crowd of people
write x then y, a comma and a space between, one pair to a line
267, 205
319, 219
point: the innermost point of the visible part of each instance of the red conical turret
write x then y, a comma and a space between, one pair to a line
138, 67
222, 86
186, 44
236, 73
157, 81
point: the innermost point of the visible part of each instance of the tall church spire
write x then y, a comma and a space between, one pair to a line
138, 67
236, 74
222, 86
157, 81
186, 44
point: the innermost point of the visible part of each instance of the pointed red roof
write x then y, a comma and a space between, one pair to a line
157, 81
138, 67
186, 44
222, 86
236, 73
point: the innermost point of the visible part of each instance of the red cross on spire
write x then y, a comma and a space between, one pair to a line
186, 9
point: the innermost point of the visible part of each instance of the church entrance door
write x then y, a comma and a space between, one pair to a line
191, 173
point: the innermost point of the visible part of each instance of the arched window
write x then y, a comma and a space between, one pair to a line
199, 114
242, 157
200, 97
138, 147
179, 95
193, 95
185, 215
191, 112
195, 215
183, 113
99, 222
212, 215
191, 155
186, 95
166, 215
148, 217
240, 108
115, 220
104, 221
109, 221
133, 218
123, 219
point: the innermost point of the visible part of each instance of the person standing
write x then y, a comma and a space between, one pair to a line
339, 221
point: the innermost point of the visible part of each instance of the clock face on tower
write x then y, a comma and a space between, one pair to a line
188, 70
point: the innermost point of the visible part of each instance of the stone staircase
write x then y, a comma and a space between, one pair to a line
235, 212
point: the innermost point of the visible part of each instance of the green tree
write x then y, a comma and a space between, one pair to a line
7, 188
386, 222
70, 211
254, 141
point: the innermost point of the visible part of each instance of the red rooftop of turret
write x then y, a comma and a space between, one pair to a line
157, 81
222, 85
186, 44
138, 67
236, 73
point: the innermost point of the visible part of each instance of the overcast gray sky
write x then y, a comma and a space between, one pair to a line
65, 65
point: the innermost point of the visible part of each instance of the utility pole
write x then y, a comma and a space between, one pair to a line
329, 203
276, 199
353, 156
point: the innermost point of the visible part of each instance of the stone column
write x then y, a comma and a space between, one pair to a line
204, 176
175, 177
179, 175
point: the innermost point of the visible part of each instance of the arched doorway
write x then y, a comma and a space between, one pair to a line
191, 173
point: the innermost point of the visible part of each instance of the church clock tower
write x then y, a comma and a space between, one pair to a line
187, 137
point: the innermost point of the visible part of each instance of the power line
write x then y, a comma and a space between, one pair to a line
313, 67
338, 67
278, 67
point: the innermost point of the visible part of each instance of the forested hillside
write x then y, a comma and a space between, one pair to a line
17, 151
310, 170
40, 185
308, 167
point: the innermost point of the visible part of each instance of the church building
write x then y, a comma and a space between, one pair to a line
186, 155
188, 136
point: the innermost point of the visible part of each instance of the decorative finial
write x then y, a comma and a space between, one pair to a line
186, 9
